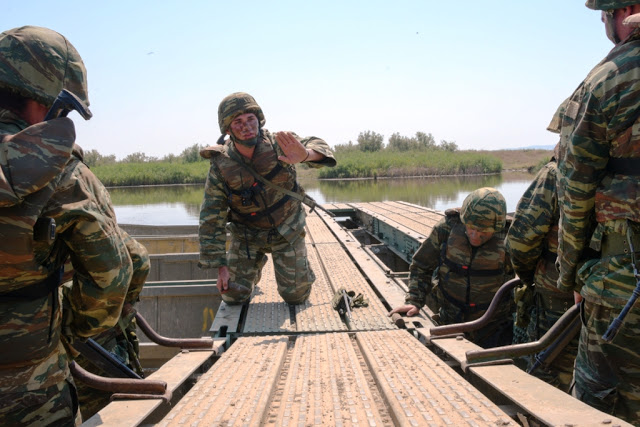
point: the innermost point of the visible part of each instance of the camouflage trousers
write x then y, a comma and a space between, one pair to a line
53, 406
560, 372
247, 257
607, 375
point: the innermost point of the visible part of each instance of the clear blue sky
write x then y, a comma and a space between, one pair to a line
485, 74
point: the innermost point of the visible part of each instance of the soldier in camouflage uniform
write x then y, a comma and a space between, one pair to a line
44, 178
120, 340
466, 250
532, 242
599, 190
260, 218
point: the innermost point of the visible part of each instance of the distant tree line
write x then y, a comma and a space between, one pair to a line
370, 141
188, 155
367, 141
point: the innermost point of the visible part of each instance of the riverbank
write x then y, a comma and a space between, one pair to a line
362, 165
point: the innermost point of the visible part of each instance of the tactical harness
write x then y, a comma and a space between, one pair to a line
465, 271
28, 182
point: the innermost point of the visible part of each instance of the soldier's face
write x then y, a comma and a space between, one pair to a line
477, 237
245, 126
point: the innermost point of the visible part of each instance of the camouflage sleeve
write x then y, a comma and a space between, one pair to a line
594, 115
320, 146
535, 214
141, 266
423, 264
213, 219
86, 223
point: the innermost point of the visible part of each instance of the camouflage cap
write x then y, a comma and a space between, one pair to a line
609, 4
484, 209
38, 63
235, 104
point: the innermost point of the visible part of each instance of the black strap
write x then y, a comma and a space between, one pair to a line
37, 290
254, 216
624, 166
268, 176
548, 255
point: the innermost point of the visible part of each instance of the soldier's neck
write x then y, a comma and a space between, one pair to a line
244, 150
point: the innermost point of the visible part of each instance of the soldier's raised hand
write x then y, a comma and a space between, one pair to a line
294, 151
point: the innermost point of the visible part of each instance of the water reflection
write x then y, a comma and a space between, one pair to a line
180, 204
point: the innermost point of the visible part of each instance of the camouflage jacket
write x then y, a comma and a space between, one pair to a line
86, 233
468, 275
532, 240
599, 122
233, 194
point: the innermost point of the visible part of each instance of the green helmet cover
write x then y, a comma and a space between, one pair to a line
236, 104
485, 209
609, 4
38, 63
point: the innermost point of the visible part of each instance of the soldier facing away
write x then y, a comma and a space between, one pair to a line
122, 339
53, 209
532, 242
260, 217
465, 256
599, 189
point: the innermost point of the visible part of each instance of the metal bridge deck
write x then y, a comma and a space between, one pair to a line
373, 378
416, 218
334, 269
305, 365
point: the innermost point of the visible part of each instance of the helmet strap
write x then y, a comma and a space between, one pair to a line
249, 143
610, 26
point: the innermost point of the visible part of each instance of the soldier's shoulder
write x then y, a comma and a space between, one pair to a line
452, 213
213, 151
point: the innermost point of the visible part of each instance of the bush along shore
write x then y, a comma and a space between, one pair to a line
350, 165
393, 164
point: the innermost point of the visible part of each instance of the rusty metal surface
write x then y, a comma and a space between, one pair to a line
372, 378
317, 231
549, 405
333, 267
267, 312
416, 218
170, 244
420, 387
132, 413
337, 206
237, 389
317, 313
345, 274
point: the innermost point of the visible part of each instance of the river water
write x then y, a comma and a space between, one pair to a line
180, 204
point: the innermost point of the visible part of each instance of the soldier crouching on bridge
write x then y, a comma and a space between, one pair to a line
599, 236
464, 261
252, 191
52, 209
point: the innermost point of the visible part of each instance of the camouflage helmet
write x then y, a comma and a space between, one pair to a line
38, 63
484, 209
609, 4
235, 104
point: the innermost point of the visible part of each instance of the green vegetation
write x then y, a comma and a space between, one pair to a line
121, 174
402, 156
395, 164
